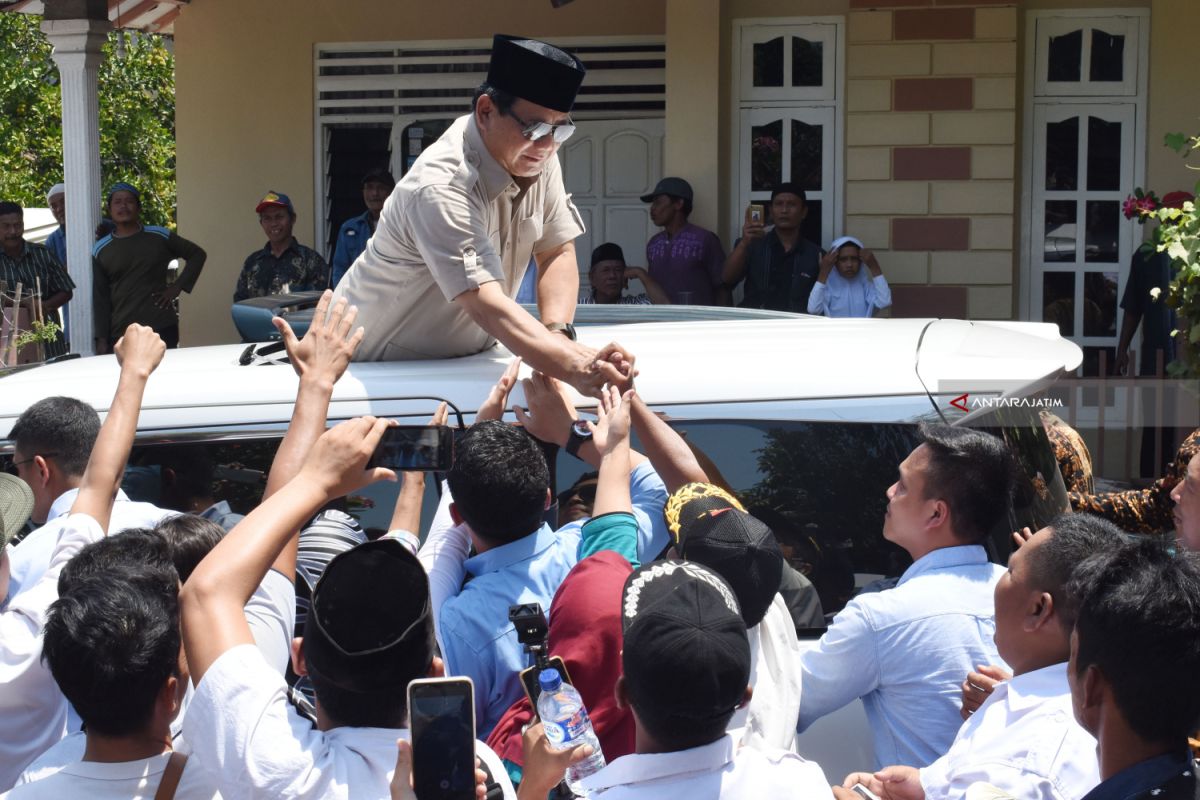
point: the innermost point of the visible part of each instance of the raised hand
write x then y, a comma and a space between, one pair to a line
337, 463
401, 787
550, 412
611, 428
328, 345
497, 399
140, 349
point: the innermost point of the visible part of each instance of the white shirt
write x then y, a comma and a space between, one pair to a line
1023, 740
717, 770
124, 780
271, 609
30, 558
768, 721
243, 730
33, 709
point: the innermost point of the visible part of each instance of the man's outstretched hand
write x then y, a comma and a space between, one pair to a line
325, 351
610, 365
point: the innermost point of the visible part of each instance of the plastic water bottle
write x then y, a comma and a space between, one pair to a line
567, 724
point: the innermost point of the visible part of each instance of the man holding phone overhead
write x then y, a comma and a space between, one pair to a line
368, 633
778, 264
439, 276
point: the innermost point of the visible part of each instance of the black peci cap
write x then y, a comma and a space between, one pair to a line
535, 71
370, 627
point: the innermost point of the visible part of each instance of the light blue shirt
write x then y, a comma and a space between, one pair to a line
478, 640
351, 241
906, 651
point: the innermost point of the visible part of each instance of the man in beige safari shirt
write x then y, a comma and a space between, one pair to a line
438, 277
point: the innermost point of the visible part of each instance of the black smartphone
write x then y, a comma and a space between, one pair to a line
442, 722
415, 447
529, 679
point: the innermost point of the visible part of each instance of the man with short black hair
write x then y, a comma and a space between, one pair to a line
438, 277
685, 668
32, 706
131, 267
1135, 654
283, 264
683, 258
355, 232
905, 650
778, 264
35, 267
53, 439
1023, 739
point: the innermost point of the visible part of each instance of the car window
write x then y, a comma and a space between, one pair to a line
821, 487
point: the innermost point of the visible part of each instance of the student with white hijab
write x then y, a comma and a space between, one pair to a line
849, 290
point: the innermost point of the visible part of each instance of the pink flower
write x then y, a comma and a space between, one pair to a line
1129, 207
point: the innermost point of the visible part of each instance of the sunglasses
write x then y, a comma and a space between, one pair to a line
533, 131
585, 492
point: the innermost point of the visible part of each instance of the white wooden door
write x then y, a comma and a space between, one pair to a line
1080, 245
779, 145
607, 165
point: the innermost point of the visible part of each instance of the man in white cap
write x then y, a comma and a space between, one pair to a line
438, 277
56, 198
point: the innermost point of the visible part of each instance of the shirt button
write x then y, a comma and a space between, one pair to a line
473, 159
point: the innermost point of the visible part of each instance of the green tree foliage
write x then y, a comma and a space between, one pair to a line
137, 117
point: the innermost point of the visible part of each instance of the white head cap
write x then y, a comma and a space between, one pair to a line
58, 188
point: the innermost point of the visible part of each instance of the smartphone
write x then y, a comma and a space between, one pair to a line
415, 447
864, 792
529, 679
441, 715
756, 213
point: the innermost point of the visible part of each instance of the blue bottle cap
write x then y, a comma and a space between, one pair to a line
549, 680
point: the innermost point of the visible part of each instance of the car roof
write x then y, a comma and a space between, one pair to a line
786, 368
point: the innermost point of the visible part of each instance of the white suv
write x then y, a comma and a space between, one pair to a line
806, 417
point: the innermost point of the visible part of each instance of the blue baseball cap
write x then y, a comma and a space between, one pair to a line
274, 199
121, 186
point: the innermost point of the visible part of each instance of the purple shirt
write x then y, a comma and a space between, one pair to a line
689, 261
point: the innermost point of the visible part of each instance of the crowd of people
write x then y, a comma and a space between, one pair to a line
270, 656
184, 650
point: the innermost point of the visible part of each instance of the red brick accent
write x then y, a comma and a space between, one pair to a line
934, 23
888, 3
931, 163
933, 94
930, 233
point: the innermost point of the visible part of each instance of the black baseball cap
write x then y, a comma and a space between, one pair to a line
535, 71
673, 187
379, 176
685, 653
370, 627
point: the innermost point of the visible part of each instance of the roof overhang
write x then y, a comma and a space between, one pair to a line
151, 16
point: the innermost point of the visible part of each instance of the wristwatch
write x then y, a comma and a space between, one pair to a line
580, 433
565, 328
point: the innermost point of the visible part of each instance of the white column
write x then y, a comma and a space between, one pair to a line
77, 52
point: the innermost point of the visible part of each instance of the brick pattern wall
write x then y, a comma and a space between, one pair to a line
931, 95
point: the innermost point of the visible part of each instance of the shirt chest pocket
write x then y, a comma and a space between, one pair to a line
529, 231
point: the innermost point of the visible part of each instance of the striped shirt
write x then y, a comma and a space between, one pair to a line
38, 263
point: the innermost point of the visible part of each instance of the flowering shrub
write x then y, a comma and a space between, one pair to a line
1178, 234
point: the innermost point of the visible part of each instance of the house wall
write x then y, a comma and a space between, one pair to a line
933, 178
244, 107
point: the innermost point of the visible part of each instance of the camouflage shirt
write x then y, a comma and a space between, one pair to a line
299, 269
1142, 510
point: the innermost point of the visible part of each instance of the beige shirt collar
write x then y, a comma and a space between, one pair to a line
495, 178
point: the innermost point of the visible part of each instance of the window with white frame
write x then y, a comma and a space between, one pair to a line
1086, 136
787, 123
